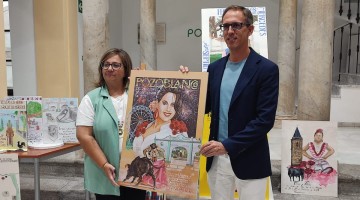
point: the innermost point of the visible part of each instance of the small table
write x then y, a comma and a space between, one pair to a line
37, 155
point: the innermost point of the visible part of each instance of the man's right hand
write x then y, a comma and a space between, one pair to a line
183, 69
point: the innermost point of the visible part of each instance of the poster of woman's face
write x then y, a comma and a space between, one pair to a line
164, 100
166, 107
162, 134
308, 158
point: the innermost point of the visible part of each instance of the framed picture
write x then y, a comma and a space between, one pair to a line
162, 132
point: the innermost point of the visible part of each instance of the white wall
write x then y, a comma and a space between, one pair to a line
116, 17
346, 107
22, 47
179, 16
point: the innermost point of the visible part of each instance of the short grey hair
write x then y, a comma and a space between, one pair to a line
247, 13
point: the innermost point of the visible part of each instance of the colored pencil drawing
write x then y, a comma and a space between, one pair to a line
13, 125
311, 166
34, 117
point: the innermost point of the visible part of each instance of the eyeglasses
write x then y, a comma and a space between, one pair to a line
234, 26
115, 66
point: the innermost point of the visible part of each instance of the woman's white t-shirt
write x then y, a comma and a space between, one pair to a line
86, 114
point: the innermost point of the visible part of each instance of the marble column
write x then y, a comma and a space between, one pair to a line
3, 79
95, 42
315, 60
286, 59
148, 51
95, 38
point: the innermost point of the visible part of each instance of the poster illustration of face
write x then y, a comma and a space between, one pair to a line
309, 164
162, 132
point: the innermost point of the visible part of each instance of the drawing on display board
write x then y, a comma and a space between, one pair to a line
162, 139
9, 177
213, 43
13, 125
309, 164
59, 116
34, 117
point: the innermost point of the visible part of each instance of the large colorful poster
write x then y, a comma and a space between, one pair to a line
213, 43
162, 134
9, 177
308, 158
59, 116
34, 117
13, 125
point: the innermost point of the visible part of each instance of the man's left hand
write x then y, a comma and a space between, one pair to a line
213, 148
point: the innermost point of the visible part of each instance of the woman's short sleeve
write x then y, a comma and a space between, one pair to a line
85, 114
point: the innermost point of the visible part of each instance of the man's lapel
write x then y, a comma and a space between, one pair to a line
249, 70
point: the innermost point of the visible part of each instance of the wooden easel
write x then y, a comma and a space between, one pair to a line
142, 66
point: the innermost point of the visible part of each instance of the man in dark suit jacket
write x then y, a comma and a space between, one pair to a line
242, 97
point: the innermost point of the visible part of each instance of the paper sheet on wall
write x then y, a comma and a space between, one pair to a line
213, 43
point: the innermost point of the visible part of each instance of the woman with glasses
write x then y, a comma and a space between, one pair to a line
100, 124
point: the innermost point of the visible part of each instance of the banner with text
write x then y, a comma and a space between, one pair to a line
213, 43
